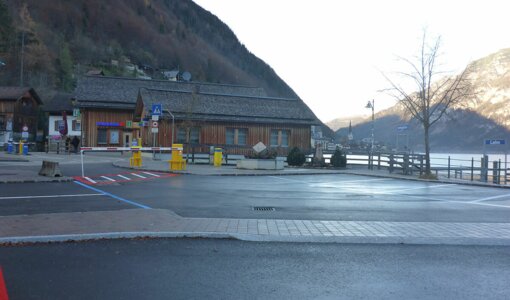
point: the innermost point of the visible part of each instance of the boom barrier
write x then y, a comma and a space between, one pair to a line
122, 149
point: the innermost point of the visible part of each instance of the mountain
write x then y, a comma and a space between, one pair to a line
124, 38
486, 115
344, 122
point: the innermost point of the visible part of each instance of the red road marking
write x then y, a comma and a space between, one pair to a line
3, 289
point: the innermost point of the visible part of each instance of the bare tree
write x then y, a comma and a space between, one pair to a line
435, 92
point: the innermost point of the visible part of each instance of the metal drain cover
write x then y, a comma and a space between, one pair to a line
263, 208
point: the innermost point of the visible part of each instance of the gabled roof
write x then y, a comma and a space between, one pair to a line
226, 108
121, 93
60, 102
13, 93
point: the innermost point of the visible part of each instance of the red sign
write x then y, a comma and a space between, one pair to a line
155, 124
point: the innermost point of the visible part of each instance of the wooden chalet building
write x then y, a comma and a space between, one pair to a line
18, 109
113, 111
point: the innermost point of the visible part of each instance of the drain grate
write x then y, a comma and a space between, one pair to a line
263, 208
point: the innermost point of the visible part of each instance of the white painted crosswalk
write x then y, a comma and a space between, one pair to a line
122, 177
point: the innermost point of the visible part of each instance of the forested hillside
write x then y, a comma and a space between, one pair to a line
64, 38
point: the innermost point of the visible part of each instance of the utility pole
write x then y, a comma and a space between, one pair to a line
22, 54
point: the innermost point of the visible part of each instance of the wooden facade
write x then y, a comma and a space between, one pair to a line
214, 134
111, 122
18, 108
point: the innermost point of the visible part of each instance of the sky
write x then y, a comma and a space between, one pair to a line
334, 53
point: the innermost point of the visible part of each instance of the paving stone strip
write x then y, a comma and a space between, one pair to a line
164, 223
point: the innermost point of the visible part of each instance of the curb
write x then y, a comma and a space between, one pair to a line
468, 241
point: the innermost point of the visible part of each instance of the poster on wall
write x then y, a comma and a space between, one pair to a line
114, 136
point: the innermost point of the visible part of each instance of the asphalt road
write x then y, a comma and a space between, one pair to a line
325, 197
226, 269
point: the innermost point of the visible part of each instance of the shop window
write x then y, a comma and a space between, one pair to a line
2, 122
194, 135
101, 136
114, 136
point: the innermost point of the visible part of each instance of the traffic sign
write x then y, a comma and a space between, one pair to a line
155, 118
154, 129
403, 127
24, 135
155, 124
156, 109
25, 128
495, 142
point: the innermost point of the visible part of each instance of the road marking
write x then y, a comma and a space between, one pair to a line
417, 188
490, 198
134, 174
3, 288
93, 181
50, 196
112, 195
124, 177
155, 175
107, 178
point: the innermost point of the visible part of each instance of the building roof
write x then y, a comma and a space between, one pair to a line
117, 92
227, 108
60, 102
193, 100
14, 93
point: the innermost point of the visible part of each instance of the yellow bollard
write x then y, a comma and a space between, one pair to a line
177, 162
218, 157
20, 150
136, 158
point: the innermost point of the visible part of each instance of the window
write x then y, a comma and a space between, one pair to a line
194, 135
236, 136
279, 138
76, 125
2, 122
274, 138
57, 123
114, 136
230, 136
101, 136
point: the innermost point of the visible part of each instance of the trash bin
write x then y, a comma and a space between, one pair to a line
25, 149
10, 147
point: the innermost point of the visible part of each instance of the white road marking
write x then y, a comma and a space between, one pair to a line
50, 196
155, 175
108, 178
134, 174
490, 198
124, 177
89, 179
420, 188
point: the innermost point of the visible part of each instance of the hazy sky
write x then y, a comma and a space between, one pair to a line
332, 52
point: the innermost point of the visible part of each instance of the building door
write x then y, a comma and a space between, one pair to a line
128, 138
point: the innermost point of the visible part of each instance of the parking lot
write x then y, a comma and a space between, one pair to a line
307, 197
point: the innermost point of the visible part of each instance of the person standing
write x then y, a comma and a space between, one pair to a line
75, 142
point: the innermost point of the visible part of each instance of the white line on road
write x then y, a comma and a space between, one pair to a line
89, 179
418, 188
155, 175
124, 177
490, 198
108, 178
50, 196
134, 174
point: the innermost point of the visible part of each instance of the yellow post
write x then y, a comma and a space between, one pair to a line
218, 157
136, 158
20, 152
177, 162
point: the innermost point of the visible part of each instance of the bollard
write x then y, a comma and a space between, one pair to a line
25, 149
10, 147
20, 148
177, 163
218, 157
136, 159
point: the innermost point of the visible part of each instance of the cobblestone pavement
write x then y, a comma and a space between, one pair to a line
164, 223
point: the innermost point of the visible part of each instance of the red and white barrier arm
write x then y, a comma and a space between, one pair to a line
106, 149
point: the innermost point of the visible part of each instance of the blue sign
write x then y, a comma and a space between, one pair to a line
403, 127
495, 142
108, 124
156, 110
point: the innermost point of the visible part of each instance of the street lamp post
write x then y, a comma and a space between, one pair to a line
371, 105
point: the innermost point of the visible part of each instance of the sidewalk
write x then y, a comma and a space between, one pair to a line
163, 223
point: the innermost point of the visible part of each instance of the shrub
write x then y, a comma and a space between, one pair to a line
338, 160
296, 157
